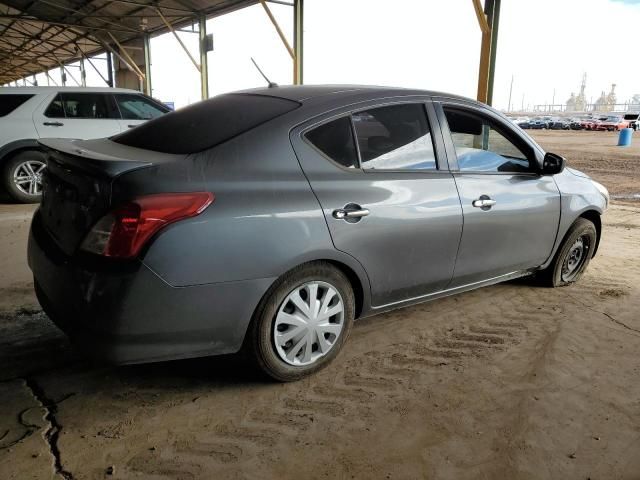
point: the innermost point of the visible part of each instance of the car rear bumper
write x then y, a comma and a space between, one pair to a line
127, 314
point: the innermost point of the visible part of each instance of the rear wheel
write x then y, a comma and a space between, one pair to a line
22, 176
303, 321
574, 255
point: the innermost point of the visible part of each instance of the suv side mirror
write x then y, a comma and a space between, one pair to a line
552, 164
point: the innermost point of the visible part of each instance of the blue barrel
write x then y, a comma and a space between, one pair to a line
624, 140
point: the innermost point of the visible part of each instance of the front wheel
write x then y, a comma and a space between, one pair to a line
573, 256
302, 322
22, 176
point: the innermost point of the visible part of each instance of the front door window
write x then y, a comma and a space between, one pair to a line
481, 145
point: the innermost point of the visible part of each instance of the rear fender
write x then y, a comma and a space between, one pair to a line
13, 147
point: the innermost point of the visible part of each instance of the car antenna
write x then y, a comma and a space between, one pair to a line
271, 84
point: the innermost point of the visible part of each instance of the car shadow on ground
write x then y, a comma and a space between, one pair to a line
5, 199
31, 345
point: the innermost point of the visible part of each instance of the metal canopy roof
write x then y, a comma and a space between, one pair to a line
38, 35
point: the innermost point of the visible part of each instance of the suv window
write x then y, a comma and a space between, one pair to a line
335, 140
480, 144
11, 101
206, 124
81, 105
396, 137
137, 107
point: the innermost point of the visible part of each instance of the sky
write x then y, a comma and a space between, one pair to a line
545, 45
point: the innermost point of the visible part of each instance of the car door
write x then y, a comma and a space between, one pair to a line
388, 198
84, 115
136, 109
511, 213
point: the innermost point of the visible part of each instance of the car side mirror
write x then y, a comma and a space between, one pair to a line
552, 164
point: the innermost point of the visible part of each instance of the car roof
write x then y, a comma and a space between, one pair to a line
304, 93
35, 90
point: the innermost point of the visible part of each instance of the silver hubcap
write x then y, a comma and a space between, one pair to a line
27, 177
308, 323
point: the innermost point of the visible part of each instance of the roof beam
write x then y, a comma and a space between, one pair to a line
153, 7
482, 18
184, 47
127, 60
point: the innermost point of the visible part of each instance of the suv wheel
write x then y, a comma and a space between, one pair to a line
302, 322
22, 176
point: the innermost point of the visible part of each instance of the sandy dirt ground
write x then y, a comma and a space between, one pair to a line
597, 154
511, 381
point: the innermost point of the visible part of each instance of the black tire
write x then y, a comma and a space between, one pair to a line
8, 169
260, 344
557, 274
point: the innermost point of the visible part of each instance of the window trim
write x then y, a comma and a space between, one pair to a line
508, 133
113, 107
303, 136
439, 148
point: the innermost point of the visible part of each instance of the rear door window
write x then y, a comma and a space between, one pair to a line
82, 105
137, 107
395, 137
335, 140
11, 101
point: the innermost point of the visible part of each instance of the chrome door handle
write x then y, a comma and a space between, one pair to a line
341, 213
351, 213
484, 202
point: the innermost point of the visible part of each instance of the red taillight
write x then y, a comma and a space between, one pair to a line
123, 232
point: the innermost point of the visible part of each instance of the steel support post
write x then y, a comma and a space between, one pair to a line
494, 23
147, 64
83, 73
204, 64
298, 37
110, 81
485, 48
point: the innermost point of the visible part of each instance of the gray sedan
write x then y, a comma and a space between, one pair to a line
271, 219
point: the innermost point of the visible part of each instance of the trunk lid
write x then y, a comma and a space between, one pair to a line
77, 186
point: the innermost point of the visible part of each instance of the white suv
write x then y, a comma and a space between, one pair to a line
28, 114
634, 119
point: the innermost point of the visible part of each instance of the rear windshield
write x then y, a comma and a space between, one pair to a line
205, 124
631, 116
11, 101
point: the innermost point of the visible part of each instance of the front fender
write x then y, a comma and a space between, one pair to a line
578, 198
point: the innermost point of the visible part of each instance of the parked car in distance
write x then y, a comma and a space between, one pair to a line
589, 123
538, 123
633, 118
576, 124
31, 113
611, 123
524, 123
560, 124
270, 219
